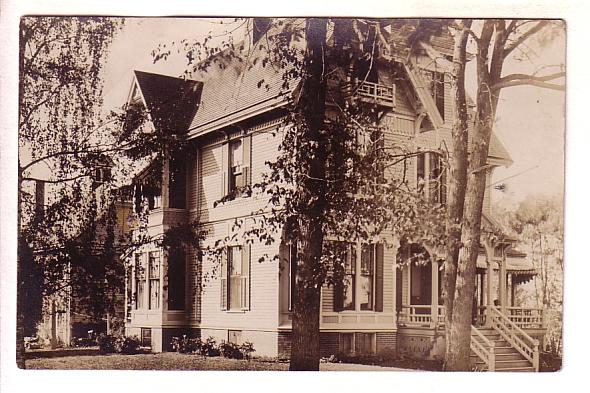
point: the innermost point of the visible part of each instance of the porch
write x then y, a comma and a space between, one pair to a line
505, 336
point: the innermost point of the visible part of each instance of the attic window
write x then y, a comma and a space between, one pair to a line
437, 91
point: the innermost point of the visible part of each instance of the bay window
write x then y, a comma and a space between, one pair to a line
361, 287
154, 280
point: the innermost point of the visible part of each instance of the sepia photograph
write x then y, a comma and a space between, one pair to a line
382, 196
290, 193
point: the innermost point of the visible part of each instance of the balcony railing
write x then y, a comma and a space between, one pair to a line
372, 92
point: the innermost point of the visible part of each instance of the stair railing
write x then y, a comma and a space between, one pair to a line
515, 336
480, 345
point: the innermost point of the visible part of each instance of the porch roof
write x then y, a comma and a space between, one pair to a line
517, 266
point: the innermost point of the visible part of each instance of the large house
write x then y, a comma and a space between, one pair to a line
389, 304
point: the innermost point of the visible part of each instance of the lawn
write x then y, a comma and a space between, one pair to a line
159, 361
176, 361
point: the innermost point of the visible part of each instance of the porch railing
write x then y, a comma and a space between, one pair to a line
523, 317
526, 317
420, 315
518, 338
483, 348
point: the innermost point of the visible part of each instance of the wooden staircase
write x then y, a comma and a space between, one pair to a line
507, 357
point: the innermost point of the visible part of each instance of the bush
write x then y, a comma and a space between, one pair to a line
186, 345
118, 344
106, 343
209, 347
127, 345
230, 350
247, 348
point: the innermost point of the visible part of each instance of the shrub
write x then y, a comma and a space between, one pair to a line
106, 343
247, 348
186, 345
127, 345
209, 347
230, 350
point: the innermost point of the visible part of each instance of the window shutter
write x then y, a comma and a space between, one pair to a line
245, 296
247, 160
379, 277
224, 169
223, 280
138, 198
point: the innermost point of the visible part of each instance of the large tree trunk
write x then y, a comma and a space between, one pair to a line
305, 339
458, 172
459, 331
20, 286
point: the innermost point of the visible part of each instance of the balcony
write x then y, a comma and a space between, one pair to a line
371, 92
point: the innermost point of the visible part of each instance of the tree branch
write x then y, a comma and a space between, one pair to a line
530, 82
524, 36
524, 79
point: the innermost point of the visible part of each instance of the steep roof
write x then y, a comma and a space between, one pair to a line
172, 102
238, 87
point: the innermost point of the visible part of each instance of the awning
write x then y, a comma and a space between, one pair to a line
517, 266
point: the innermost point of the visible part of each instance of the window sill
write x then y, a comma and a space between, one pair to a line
235, 311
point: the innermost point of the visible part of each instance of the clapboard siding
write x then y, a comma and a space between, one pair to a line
264, 148
264, 287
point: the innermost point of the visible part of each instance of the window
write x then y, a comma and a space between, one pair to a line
292, 266
139, 282
234, 336
367, 276
177, 183
362, 281
128, 292
236, 166
356, 343
154, 280
146, 337
437, 91
176, 280
434, 186
235, 274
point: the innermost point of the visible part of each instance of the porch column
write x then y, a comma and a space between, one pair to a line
434, 293
166, 183
394, 246
503, 286
490, 299
512, 291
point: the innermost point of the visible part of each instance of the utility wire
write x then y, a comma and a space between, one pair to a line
510, 177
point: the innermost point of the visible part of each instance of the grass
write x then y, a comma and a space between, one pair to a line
159, 361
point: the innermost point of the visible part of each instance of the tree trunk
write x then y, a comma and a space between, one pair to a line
459, 331
305, 339
458, 172
20, 287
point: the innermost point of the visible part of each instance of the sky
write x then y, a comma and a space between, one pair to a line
530, 120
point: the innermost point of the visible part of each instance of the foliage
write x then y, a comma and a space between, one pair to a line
537, 223
107, 343
126, 345
209, 347
61, 131
186, 344
230, 350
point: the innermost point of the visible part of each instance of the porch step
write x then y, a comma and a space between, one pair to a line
507, 357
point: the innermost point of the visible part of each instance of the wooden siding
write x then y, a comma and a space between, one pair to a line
264, 287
